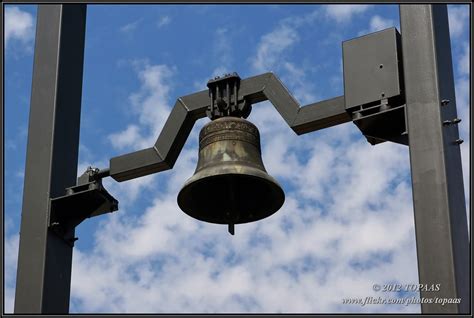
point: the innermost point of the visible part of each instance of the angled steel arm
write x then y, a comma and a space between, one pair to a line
190, 108
324, 114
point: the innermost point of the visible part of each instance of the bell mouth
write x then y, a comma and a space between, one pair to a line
231, 196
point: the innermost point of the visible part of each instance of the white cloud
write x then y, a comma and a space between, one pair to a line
18, 26
222, 55
222, 47
458, 19
152, 101
305, 258
463, 104
271, 46
343, 13
128, 192
130, 27
465, 158
162, 260
128, 138
151, 104
378, 23
272, 54
162, 21
464, 61
10, 262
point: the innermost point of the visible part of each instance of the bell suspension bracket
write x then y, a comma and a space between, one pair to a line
225, 99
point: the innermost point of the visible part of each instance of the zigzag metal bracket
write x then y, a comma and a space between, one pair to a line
188, 109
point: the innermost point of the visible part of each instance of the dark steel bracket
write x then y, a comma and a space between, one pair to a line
382, 122
85, 200
374, 87
190, 108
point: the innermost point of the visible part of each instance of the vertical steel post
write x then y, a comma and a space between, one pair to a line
45, 259
438, 194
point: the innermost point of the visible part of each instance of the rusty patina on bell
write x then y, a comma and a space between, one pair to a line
230, 184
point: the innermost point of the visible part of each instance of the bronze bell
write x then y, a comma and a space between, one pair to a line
230, 184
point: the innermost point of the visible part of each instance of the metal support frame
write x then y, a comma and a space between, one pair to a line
45, 259
438, 193
44, 265
190, 108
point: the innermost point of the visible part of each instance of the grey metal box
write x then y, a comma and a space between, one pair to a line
372, 68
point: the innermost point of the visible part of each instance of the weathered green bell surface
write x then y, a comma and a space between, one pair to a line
230, 184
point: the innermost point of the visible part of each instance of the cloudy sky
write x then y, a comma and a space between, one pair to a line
347, 222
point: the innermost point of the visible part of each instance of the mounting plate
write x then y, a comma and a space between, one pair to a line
372, 68
373, 86
81, 202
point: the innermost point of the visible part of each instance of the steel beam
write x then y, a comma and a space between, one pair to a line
190, 108
324, 114
2, 176
45, 259
438, 195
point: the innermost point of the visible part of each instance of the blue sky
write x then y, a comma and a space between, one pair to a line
347, 222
